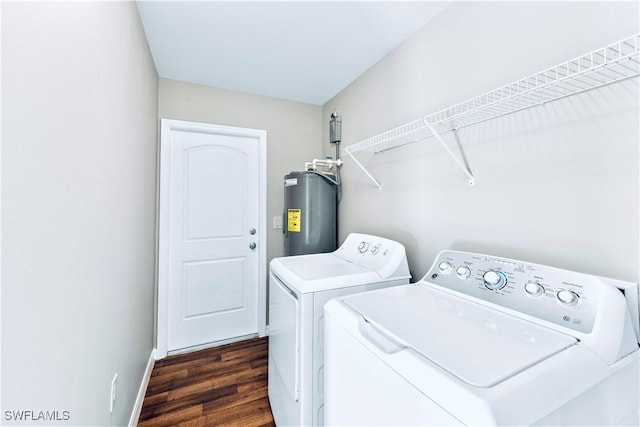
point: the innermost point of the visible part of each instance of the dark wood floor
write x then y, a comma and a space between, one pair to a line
224, 385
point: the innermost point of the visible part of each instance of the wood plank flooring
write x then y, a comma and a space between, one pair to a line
224, 385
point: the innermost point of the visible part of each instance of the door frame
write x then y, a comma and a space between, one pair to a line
164, 203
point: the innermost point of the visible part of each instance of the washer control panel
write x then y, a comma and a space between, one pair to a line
562, 297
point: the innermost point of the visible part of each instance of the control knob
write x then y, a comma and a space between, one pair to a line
567, 298
362, 247
534, 289
463, 272
445, 267
494, 280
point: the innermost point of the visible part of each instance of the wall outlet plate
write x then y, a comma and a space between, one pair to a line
277, 222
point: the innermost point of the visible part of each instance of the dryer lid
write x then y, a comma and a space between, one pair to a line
321, 266
479, 345
319, 272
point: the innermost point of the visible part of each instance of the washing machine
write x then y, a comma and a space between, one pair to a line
485, 340
299, 286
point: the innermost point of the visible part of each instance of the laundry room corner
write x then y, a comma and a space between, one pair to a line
320, 213
557, 183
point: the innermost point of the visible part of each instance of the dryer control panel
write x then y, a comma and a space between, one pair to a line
386, 257
562, 297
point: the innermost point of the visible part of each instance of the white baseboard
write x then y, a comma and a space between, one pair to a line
137, 406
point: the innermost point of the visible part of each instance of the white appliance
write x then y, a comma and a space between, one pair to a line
299, 286
483, 340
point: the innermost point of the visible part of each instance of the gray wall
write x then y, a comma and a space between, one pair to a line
79, 116
294, 132
556, 184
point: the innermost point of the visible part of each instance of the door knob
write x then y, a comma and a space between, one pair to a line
252, 231
252, 245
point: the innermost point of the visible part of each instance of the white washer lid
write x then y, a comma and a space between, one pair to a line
318, 272
479, 345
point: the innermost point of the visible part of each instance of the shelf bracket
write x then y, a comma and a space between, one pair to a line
363, 169
453, 156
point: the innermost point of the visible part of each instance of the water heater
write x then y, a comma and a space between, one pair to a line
310, 213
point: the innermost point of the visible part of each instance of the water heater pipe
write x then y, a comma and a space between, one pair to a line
325, 163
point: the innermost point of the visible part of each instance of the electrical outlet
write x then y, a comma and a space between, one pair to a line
277, 222
114, 392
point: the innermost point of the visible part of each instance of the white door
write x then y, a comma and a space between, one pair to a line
212, 221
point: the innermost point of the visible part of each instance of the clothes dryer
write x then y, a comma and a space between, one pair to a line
299, 286
485, 340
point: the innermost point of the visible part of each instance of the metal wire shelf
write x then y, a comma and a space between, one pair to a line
612, 63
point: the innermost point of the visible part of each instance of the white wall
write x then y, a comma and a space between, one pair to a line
556, 184
79, 115
294, 132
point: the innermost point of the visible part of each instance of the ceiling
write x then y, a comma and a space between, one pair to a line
305, 51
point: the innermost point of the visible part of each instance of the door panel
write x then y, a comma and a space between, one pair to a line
211, 203
215, 191
209, 287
